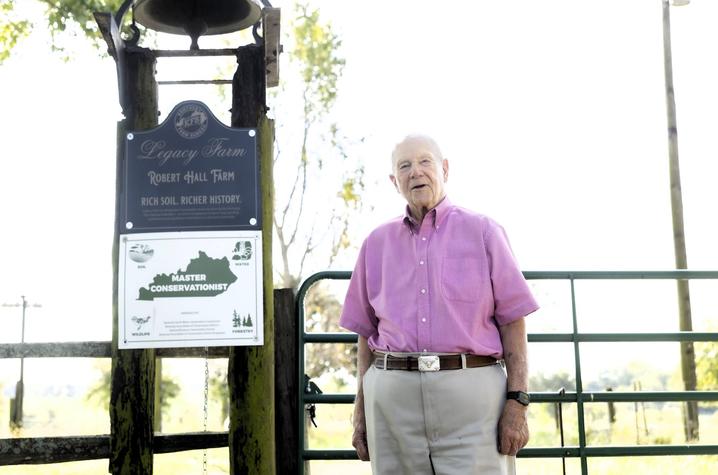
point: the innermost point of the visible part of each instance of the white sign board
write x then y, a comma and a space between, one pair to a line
190, 289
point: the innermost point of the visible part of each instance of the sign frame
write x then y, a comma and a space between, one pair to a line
190, 173
190, 289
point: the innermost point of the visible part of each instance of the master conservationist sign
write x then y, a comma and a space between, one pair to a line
190, 289
190, 173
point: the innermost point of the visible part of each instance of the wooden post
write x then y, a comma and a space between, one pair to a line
158, 396
251, 368
133, 371
286, 384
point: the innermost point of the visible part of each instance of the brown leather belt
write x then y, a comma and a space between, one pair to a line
431, 362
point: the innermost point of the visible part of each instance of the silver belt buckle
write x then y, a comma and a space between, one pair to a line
429, 363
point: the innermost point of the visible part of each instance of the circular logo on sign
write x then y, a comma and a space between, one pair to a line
141, 252
191, 121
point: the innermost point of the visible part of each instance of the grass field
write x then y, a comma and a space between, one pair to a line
58, 414
661, 425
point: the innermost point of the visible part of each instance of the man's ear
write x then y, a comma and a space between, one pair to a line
445, 167
393, 180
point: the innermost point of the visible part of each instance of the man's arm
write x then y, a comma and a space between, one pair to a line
513, 427
359, 421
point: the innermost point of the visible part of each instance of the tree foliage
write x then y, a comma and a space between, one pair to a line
12, 29
317, 53
219, 391
552, 383
324, 187
100, 391
322, 310
313, 212
312, 215
707, 365
64, 18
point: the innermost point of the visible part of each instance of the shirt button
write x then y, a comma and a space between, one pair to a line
423, 291
423, 238
423, 319
424, 350
421, 263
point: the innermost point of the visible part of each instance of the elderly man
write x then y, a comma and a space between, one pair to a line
438, 301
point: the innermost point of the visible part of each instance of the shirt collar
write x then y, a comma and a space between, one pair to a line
436, 214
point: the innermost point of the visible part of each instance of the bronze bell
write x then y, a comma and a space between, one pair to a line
197, 17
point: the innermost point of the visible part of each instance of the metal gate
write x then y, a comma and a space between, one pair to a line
581, 451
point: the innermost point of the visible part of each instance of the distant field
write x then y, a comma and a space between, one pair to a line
61, 415
649, 424
661, 425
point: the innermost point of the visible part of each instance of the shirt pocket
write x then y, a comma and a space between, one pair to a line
461, 278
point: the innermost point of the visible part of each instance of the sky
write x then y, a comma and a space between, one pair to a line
551, 114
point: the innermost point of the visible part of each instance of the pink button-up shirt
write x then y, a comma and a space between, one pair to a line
439, 287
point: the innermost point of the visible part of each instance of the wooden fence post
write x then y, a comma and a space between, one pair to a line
251, 368
133, 371
287, 386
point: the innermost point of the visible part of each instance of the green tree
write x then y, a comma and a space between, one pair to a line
99, 393
552, 383
65, 18
312, 215
707, 365
12, 28
219, 391
316, 66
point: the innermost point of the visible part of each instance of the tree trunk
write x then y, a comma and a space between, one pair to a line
688, 362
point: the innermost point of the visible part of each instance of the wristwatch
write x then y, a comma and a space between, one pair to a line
520, 396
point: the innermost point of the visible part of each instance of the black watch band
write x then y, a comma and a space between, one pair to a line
520, 396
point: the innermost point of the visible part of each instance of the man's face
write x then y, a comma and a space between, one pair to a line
419, 174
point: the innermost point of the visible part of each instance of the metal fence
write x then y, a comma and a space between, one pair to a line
579, 397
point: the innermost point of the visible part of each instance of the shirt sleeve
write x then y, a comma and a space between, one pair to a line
358, 314
512, 297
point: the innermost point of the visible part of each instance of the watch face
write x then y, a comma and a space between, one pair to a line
519, 396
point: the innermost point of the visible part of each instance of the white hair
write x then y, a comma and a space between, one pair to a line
417, 138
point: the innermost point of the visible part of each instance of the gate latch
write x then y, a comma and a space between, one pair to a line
310, 387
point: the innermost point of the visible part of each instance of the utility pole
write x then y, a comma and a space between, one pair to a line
16, 402
688, 359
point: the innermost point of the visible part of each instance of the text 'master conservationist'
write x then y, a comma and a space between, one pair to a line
438, 300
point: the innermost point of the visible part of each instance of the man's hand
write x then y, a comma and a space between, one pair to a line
359, 442
359, 437
513, 428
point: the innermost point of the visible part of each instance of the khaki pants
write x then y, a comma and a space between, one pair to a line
442, 422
